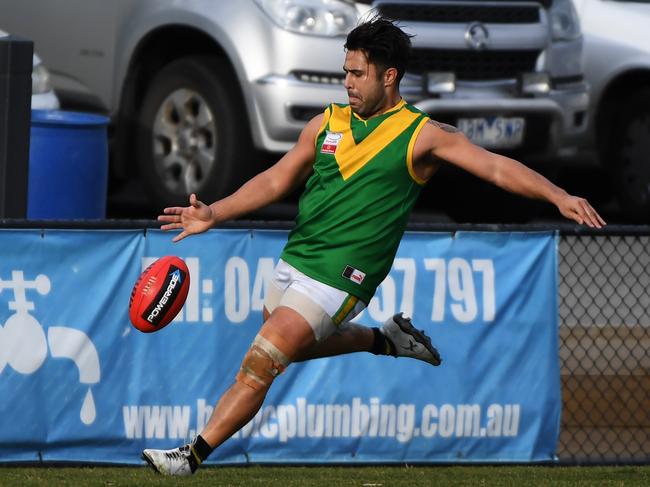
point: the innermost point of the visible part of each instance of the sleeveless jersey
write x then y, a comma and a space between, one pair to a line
356, 204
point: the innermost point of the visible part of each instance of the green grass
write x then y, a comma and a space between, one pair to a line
266, 476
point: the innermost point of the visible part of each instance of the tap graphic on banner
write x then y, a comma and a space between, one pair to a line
24, 343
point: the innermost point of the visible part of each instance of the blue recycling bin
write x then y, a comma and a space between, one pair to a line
68, 166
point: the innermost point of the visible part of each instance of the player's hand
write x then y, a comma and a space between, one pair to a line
196, 218
579, 210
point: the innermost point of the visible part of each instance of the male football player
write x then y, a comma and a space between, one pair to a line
364, 165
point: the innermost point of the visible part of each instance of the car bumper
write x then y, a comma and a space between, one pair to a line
285, 103
557, 123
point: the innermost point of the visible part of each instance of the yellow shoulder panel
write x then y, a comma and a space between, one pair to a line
409, 152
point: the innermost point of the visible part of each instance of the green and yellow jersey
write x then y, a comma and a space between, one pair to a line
356, 204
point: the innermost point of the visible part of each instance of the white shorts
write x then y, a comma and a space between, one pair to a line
325, 308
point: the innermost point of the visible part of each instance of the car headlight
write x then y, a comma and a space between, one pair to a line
565, 24
40, 80
315, 17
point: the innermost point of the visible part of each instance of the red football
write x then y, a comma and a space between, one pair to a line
159, 294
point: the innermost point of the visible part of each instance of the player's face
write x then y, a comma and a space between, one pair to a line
364, 83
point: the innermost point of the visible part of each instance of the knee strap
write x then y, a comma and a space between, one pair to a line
262, 364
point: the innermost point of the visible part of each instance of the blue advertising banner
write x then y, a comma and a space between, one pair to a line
79, 383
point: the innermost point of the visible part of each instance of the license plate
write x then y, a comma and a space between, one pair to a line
494, 132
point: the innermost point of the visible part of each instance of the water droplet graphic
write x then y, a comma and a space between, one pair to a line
88, 412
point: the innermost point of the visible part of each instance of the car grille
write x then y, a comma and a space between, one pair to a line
449, 13
473, 65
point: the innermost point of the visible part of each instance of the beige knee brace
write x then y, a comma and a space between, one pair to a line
262, 364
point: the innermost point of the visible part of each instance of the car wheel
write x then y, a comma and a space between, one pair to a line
631, 154
192, 130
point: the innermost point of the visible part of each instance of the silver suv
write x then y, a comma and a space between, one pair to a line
194, 86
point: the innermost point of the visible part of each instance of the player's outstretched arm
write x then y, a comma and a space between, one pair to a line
446, 143
265, 188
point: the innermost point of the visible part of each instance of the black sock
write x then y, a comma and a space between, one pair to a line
381, 344
200, 450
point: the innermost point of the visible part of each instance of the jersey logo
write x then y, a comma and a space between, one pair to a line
331, 142
355, 275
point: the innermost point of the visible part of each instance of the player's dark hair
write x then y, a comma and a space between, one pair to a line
385, 44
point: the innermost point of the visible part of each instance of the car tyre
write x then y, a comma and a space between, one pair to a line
192, 132
631, 155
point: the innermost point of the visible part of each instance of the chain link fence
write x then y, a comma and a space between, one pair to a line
604, 301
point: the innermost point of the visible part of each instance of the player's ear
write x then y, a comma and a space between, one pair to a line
390, 77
